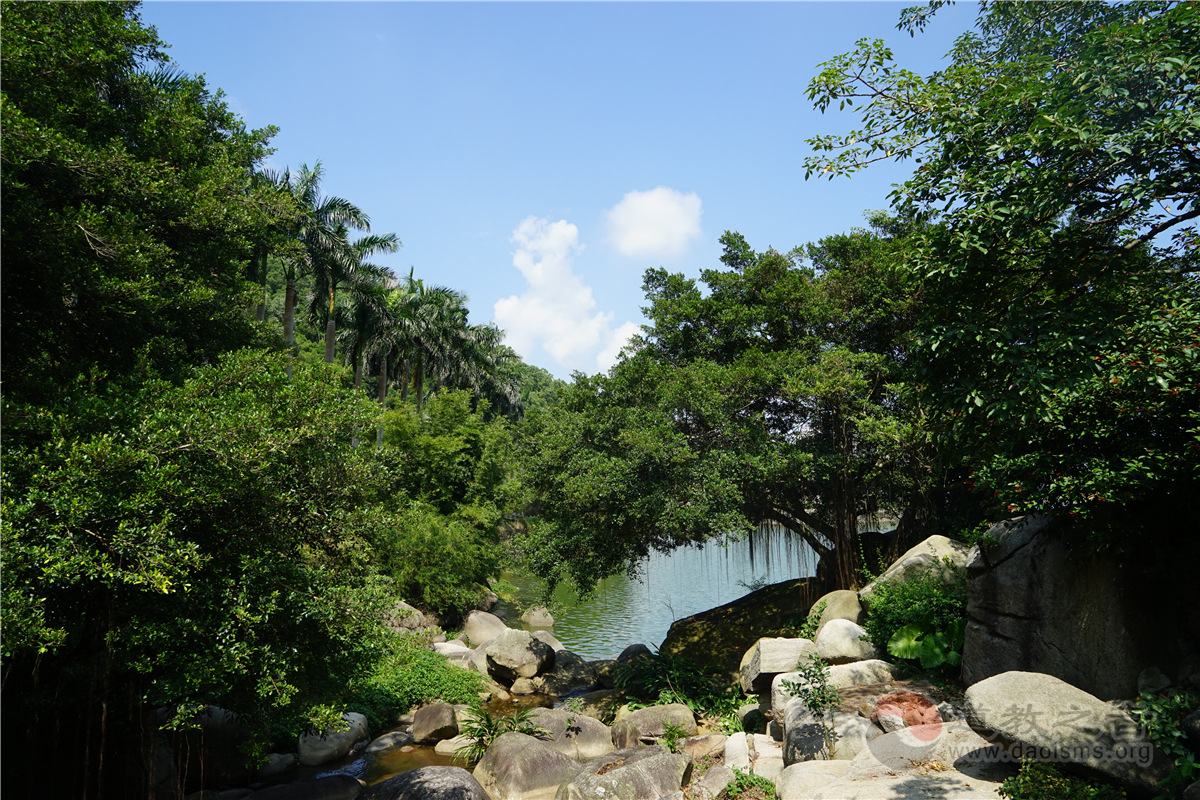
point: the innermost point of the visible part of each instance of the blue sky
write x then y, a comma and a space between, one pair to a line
540, 156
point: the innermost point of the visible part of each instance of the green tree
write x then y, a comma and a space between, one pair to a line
213, 542
344, 265
1060, 149
130, 214
774, 396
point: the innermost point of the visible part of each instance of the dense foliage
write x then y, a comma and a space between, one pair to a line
776, 395
1060, 149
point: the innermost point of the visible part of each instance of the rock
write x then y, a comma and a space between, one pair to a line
948, 785
634, 652
520, 767
479, 658
898, 710
625, 755
752, 718
481, 626
852, 735
516, 654
538, 617
277, 764
389, 741
404, 617
331, 787
434, 722
928, 556
769, 657
841, 676
842, 642
803, 735
710, 785
576, 735
606, 671
548, 638
840, 604
646, 725
719, 636
523, 686
1152, 680
235, 794
798, 781
455, 653
754, 753
451, 746
601, 704
1192, 792
650, 778
569, 674
1039, 717
428, 783
924, 747
1040, 599
1191, 729
700, 746
328, 745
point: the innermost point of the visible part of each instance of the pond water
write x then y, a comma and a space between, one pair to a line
670, 586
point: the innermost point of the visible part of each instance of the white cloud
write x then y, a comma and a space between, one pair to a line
556, 311
657, 223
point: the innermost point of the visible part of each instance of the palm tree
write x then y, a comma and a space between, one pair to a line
317, 229
343, 264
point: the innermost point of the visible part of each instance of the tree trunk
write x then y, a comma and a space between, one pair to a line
330, 333
382, 394
289, 318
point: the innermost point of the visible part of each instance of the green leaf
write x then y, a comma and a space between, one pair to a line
906, 642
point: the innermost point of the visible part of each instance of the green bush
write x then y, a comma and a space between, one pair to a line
747, 786
1161, 717
482, 728
661, 679
409, 675
926, 601
1037, 781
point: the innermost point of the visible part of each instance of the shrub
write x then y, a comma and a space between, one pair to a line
483, 728
926, 601
409, 675
747, 786
1037, 781
661, 679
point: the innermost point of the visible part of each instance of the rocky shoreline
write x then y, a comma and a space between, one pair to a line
884, 737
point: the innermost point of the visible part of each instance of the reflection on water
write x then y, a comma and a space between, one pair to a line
671, 586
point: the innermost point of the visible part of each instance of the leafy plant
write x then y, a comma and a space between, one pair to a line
1038, 781
482, 728
1161, 718
933, 648
661, 679
748, 786
808, 628
814, 691
672, 735
925, 604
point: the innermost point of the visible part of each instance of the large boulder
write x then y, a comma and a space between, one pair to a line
538, 617
647, 725
710, 785
569, 674
577, 735
937, 555
516, 654
1040, 599
434, 722
646, 779
402, 617
755, 753
482, 626
1041, 718
952, 745
839, 604
768, 657
320, 748
329, 787
720, 635
601, 704
550, 639
842, 642
798, 781
841, 676
948, 785
428, 783
803, 734
520, 767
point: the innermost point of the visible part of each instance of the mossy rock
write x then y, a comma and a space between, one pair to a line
722, 635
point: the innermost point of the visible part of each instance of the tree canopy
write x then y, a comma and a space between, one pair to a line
1060, 150
774, 396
